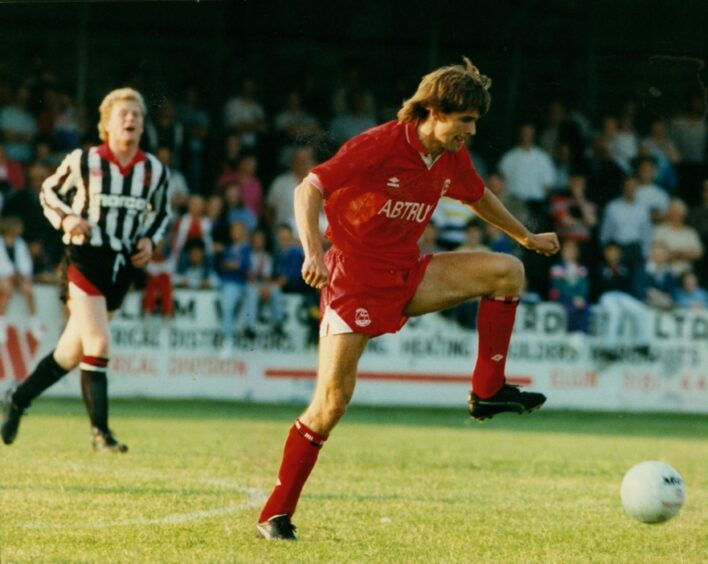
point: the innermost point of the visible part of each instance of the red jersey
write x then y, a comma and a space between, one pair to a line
381, 188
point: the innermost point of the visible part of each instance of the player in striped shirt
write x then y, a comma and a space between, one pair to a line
111, 203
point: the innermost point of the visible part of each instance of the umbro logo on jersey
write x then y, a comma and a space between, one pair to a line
498, 357
393, 182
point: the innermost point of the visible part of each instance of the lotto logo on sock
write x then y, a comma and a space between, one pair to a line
498, 357
17, 353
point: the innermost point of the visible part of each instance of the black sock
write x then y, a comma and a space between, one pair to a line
94, 388
46, 373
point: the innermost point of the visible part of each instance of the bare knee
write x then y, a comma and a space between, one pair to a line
510, 277
96, 344
323, 414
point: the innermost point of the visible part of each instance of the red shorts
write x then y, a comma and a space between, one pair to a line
361, 298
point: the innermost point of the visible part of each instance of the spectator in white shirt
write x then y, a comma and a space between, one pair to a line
527, 169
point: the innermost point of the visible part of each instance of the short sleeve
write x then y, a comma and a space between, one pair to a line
469, 186
354, 158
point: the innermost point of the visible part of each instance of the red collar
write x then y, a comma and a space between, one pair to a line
412, 138
105, 152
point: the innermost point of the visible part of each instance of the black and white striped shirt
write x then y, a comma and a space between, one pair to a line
122, 204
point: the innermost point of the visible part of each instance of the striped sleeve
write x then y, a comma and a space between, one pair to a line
158, 215
58, 189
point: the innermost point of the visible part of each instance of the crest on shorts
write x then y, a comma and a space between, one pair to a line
361, 317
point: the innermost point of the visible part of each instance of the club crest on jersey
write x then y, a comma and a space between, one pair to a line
446, 186
361, 317
408, 211
393, 182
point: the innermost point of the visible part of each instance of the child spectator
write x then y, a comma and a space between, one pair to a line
16, 272
570, 287
234, 267
690, 295
158, 283
573, 215
261, 287
289, 258
196, 273
193, 225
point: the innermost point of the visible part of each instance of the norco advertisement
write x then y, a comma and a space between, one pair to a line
428, 363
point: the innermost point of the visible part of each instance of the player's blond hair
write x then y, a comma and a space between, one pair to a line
455, 88
117, 95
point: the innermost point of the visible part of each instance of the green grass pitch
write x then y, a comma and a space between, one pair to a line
391, 485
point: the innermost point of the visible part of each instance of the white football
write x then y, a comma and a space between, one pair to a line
652, 491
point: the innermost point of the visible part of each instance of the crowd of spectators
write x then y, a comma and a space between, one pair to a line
627, 196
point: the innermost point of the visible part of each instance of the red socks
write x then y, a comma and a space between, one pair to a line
495, 321
299, 456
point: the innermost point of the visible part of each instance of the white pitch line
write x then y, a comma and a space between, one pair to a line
255, 499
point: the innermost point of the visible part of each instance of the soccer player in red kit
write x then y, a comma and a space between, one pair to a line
379, 193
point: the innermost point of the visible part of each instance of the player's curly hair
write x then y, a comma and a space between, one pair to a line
117, 95
455, 88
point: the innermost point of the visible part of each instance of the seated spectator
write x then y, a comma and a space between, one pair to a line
288, 261
626, 223
498, 241
165, 130
474, 239
235, 209
451, 218
234, 266
570, 287
515, 205
662, 149
231, 155
158, 283
16, 273
69, 124
197, 272
294, 126
196, 121
193, 225
244, 115
574, 216
43, 271
683, 242
660, 280
353, 121
689, 294
529, 173
617, 299
177, 190
261, 285
12, 175
605, 176
282, 190
251, 189
621, 142
219, 226
698, 219
428, 242
18, 127
655, 198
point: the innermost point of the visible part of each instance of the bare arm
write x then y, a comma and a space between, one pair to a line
493, 211
308, 203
